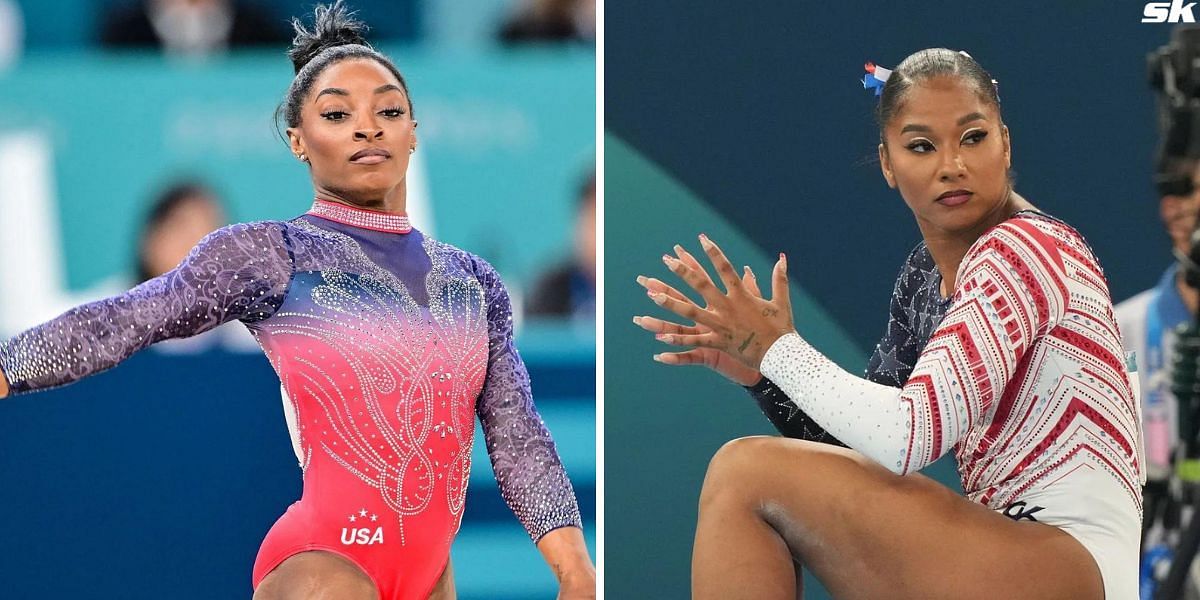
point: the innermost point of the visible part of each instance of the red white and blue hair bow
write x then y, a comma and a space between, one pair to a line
875, 78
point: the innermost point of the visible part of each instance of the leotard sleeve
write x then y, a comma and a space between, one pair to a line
890, 365
528, 470
237, 272
788, 419
1010, 292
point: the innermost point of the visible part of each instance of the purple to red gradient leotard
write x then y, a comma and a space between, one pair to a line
387, 344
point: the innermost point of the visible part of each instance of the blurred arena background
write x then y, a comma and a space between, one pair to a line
158, 479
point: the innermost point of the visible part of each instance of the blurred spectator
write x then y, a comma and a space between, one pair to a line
181, 216
570, 289
12, 33
551, 20
1148, 321
190, 27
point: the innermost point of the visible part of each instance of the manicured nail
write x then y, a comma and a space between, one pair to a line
746, 269
651, 293
641, 279
657, 358
783, 259
679, 250
637, 320
659, 298
704, 241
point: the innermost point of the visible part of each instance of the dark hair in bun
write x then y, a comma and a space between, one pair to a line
334, 36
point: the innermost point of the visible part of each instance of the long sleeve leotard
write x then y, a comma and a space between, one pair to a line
915, 310
1023, 377
387, 344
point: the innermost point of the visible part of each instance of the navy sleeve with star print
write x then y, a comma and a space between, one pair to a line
916, 309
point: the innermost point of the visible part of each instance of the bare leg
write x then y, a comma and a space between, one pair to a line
866, 533
444, 589
316, 575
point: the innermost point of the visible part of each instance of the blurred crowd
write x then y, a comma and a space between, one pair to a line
179, 212
199, 28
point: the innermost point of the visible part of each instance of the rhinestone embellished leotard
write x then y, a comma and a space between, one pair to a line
1023, 377
387, 344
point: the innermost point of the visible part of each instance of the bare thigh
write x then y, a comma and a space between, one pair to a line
866, 532
316, 575
444, 589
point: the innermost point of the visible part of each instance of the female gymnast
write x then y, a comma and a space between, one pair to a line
1002, 346
387, 343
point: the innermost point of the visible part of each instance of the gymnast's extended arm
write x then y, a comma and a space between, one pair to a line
952, 386
528, 470
890, 364
237, 272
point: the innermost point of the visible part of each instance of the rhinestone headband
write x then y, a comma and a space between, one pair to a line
360, 217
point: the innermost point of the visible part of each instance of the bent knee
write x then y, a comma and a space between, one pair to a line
736, 467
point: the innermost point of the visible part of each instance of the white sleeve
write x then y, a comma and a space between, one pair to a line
1010, 291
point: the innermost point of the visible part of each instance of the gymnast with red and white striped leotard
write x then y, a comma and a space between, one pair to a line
1012, 360
1021, 379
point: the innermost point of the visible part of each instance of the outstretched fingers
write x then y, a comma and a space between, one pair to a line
779, 284
654, 325
654, 285
696, 278
724, 268
750, 282
686, 309
694, 356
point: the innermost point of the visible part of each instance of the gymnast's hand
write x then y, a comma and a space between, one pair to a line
737, 323
719, 361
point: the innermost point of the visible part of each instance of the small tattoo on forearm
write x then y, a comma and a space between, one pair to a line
745, 344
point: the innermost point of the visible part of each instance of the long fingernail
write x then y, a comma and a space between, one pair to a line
663, 337
783, 259
704, 241
679, 250
637, 320
641, 279
651, 293
657, 358
748, 271
659, 298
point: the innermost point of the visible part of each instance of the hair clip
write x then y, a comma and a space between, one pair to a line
875, 78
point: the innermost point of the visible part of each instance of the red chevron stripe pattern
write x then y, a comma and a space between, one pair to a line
1023, 377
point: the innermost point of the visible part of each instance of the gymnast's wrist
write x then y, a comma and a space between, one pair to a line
779, 353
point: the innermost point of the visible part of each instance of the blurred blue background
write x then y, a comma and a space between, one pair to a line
158, 479
749, 123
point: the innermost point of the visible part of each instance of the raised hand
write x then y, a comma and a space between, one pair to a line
719, 361
737, 322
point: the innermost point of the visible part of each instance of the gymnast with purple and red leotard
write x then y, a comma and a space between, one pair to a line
387, 344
